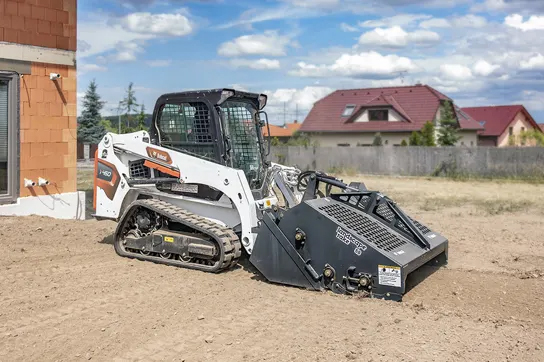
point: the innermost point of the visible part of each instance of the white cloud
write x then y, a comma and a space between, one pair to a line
259, 64
396, 20
159, 63
313, 3
466, 21
456, 72
534, 63
99, 34
379, 83
397, 37
158, 24
469, 21
87, 68
269, 43
535, 22
253, 16
491, 5
127, 52
484, 68
293, 99
348, 28
435, 23
365, 64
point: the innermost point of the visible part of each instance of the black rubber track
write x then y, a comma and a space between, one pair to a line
226, 240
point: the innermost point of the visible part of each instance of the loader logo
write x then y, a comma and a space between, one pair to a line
347, 239
159, 155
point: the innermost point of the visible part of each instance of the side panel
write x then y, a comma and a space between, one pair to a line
118, 150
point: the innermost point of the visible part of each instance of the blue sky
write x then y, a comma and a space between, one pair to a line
484, 52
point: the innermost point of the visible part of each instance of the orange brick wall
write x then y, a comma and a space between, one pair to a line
45, 23
48, 129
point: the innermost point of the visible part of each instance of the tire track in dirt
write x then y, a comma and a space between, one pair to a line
56, 316
510, 300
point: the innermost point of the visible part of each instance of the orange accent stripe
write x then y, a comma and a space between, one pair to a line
161, 168
94, 180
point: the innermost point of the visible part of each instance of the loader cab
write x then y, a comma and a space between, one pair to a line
222, 126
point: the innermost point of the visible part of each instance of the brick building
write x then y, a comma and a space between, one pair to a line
38, 136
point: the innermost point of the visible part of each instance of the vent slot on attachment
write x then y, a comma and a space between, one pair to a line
364, 226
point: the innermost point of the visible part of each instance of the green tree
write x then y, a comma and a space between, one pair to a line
141, 119
129, 104
533, 137
299, 139
427, 135
90, 130
377, 140
403, 143
275, 141
107, 126
448, 131
415, 139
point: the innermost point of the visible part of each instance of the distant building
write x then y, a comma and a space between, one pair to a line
282, 133
502, 124
352, 117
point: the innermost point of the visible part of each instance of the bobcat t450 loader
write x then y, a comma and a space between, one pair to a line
197, 188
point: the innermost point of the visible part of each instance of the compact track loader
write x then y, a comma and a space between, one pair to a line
197, 189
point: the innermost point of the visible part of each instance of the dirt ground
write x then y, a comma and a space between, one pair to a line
66, 296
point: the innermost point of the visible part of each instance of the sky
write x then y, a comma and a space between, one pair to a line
483, 52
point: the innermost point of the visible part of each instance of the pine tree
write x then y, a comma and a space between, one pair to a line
129, 104
415, 139
377, 139
90, 129
141, 119
427, 135
447, 133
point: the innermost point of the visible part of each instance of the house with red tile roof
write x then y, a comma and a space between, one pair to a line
352, 117
282, 133
502, 124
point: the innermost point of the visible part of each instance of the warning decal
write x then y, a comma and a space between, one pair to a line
389, 275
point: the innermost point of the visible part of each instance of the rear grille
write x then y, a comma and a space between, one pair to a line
138, 170
364, 226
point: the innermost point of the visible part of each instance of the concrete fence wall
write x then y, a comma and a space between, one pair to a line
526, 162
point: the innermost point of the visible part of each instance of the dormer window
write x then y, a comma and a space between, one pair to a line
348, 110
378, 115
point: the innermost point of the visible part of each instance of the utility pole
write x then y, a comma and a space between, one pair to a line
296, 115
284, 112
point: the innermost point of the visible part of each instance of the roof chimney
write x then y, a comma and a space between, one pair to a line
295, 122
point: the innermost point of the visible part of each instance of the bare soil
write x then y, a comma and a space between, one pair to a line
66, 296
